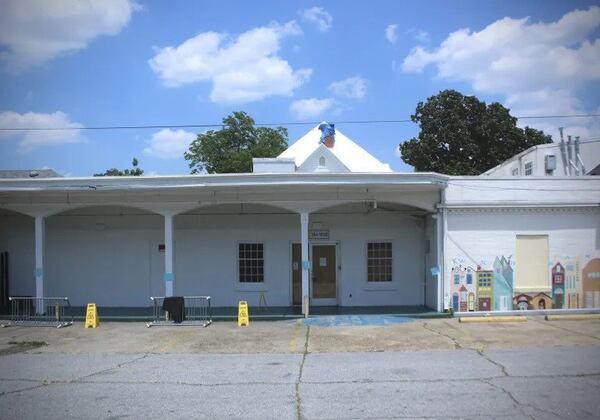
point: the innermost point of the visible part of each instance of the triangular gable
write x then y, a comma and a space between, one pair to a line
322, 160
350, 154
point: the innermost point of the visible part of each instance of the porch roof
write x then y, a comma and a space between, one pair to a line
174, 194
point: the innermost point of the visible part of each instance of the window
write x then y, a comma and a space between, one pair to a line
251, 262
528, 168
484, 279
515, 172
379, 261
322, 162
456, 279
469, 278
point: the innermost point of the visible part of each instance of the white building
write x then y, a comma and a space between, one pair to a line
324, 223
571, 158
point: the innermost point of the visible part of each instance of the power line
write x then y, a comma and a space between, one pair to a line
292, 123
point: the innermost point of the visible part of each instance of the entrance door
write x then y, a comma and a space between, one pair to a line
324, 270
296, 274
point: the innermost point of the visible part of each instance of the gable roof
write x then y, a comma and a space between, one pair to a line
350, 154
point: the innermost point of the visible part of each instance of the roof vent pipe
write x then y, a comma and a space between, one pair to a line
569, 154
578, 161
563, 153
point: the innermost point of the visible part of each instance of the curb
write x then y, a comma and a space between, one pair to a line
582, 317
491, 319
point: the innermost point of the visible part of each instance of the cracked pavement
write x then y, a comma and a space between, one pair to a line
467, 378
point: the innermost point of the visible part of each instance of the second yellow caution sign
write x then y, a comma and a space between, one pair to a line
243, 315
91, 316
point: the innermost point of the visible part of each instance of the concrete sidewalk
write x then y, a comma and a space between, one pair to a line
289, 337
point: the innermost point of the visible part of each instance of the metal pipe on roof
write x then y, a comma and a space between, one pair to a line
563, 152
569, 154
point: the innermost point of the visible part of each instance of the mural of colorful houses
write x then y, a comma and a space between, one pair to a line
493, 290
558, 285
503, 284
485, 289
573, 291
591, 283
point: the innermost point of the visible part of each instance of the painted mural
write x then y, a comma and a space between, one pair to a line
478, 289
489, 286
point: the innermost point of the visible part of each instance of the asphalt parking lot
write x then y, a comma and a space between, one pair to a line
435, 368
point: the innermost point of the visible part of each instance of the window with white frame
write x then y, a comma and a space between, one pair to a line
379, 261
515, 172
251, 263
529, 168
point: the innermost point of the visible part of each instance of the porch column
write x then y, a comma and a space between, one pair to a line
440, 260
305, 263
168, 277
39, 262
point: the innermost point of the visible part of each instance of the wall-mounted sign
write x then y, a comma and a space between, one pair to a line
318, 234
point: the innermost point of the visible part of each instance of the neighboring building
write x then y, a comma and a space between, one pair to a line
324, 223
558, 285
553, 160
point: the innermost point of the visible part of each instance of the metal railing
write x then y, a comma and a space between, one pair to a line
197, 311
40, 312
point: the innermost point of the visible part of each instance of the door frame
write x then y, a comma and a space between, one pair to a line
316, 302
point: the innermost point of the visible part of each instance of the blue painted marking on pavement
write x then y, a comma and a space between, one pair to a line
356, 320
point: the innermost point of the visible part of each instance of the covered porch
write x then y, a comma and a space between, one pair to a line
288, 244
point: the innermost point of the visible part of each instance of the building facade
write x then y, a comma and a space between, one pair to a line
324, 224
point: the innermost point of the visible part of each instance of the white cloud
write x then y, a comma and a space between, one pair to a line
310, 108
242, 69
353, 88
35, 31
390, 33
169, 144
538, 67
422, 36
32, 139
318, 16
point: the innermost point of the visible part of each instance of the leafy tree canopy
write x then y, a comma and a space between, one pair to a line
231, 149
461, 135
135, 171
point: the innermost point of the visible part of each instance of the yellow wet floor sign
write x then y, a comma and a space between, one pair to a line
91, 316
243, 315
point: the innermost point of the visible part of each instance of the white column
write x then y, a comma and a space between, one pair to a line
440, 261
169, 277
39, 262
305, 263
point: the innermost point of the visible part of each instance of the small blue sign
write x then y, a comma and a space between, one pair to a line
39, 272
306, 265
168, 276
435, 271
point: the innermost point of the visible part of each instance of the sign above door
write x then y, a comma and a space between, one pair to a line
318, 234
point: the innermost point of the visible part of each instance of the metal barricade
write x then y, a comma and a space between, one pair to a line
40, 312
197, 311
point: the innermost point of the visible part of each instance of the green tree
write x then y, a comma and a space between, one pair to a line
231, 149
461, 135
135, 171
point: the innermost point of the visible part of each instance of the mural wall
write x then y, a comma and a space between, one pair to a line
489, 285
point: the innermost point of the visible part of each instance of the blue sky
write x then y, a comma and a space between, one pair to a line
66, 63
